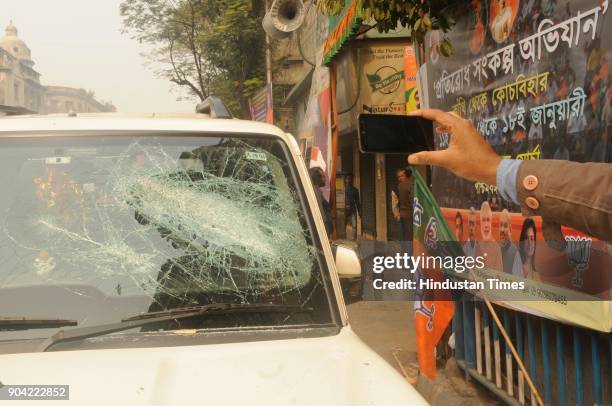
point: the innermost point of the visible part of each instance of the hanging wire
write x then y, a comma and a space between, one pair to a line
358, 84
299, 43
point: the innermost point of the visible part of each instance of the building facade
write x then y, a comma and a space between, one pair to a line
61, 99
20, 87
350, 54
21, 91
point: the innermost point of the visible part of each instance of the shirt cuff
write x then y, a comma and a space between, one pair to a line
506, 179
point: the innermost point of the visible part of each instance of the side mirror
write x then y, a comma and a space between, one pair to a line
347, 259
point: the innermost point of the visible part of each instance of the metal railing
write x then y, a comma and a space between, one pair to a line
569, 365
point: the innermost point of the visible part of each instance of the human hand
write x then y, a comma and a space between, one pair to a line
468, 155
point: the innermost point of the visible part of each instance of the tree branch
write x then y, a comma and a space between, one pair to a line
180, 77
196, 56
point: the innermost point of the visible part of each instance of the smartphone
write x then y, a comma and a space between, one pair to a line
394, 134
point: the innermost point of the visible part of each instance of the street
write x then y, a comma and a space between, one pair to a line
387, 327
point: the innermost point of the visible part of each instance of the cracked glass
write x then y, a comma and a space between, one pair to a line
98, 228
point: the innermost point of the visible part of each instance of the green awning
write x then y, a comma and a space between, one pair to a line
342, 28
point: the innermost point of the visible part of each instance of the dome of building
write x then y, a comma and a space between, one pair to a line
14, 45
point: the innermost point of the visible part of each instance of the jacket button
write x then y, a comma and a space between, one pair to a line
530, 182
532, 203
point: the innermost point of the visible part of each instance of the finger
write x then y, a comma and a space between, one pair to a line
436, 158
438, 116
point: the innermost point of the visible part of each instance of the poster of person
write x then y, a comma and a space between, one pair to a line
433, 48
537, 86
477, 26
502, 16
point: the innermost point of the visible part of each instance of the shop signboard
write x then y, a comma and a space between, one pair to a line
382, 78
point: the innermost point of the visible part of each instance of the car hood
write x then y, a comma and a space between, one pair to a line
336, 370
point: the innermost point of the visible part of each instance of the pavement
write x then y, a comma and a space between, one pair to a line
451, 388
388, 328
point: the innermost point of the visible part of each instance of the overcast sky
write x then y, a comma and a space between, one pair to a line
78, 43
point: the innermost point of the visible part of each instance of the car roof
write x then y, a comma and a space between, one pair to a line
136, 122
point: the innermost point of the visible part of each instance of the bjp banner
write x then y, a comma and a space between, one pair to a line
433, 308
486, 81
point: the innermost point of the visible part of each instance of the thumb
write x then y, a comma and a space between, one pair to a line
427, 158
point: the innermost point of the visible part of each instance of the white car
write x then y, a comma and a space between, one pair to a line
169, 261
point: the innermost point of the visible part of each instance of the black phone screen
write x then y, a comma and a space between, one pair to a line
394, 134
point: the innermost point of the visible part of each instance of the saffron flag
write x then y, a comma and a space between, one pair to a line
434, 308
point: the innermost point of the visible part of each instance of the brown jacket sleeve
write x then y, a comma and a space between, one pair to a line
578, 195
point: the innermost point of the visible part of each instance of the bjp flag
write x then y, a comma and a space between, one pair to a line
433, 308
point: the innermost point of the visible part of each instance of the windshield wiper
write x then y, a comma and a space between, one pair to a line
24, 323
144, 319
218, 307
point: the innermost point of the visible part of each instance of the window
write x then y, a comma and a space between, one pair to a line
97, 229
16, 93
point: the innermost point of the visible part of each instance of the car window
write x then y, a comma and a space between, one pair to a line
99, 228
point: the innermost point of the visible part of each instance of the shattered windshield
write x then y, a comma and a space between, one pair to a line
94, 229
